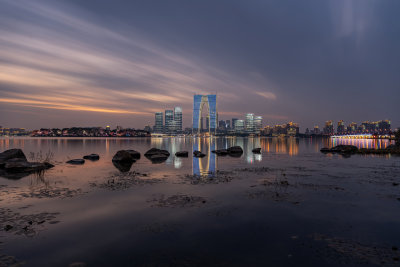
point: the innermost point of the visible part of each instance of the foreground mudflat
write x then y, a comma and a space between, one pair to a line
282, 210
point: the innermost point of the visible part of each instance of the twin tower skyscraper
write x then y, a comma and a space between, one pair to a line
173, 118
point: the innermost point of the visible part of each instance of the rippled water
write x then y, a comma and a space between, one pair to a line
290, 205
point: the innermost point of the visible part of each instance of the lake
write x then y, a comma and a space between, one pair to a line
289, 205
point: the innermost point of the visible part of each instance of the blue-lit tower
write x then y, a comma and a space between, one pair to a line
198, 104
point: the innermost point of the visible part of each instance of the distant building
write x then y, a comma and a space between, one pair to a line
341, 129
233, 122
169, 121
178, 119
250, 123
316, 130
159, 125
352, 128
328, 129
228, 124
257, 124
198, 103
239, 126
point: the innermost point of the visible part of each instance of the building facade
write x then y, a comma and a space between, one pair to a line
210, 101
159, 125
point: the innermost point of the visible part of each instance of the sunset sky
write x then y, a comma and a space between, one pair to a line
96, 63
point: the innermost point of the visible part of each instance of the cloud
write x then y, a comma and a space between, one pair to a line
267, 95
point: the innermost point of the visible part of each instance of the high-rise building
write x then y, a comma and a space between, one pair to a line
352, 128
158, 125
198, 103
328, 129
257, 124
250, 123
233, 122
316, 130
178, 119
239, 126
341, 129
228, 124
169, 121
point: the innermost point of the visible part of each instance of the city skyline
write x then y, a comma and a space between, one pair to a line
73, 63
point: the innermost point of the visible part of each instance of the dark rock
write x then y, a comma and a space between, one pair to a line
123, 156
8, 227
19, 165
123, 166
235, 149
76, 161
184, 154
154, 151
342, 149
12, 154
158, 158
198, 154
134, 153
92, 157
220, 152
256, 150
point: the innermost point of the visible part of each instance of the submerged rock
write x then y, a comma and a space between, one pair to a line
14, 165
123, 166
76, 161
198, 154
256, 150
235, 151
92, 157
154, 151
183, 154
123, 156
158, 158
343, 149
220, 152
134, 153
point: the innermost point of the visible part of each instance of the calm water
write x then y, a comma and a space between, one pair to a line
290, 205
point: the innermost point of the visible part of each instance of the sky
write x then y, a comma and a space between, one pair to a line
97, 63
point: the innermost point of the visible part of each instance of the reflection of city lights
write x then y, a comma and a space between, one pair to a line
258, 157
177, 163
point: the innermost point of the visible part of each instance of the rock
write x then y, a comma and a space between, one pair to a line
235, 151
12, 154
158, 158
220, 152
154, 151
198, 154
123, 156
134, 153
76, 161
123, 166
92, 157
343, 149
184, 154
325, 150
20, 165
256, 150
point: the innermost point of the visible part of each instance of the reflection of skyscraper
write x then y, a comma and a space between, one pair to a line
158, 126
208, 165
178, 118
198, 104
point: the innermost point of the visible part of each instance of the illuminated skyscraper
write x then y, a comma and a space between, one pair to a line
169, 121
158, 126
257, 124
250, 123
198, 104
178, 118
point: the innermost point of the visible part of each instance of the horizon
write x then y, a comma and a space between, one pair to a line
100, 63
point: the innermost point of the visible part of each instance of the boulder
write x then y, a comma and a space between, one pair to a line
342, 149
76, 161
183, 154
123, 156
92, 157
134, 153
23, 166
256, 150
154, 151
198, 154
12, 154
220, 152
158, 158
123, 166
235, 151
325, 150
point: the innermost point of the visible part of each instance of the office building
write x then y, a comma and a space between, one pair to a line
159, 125
249, 123
198, 104
178, 119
